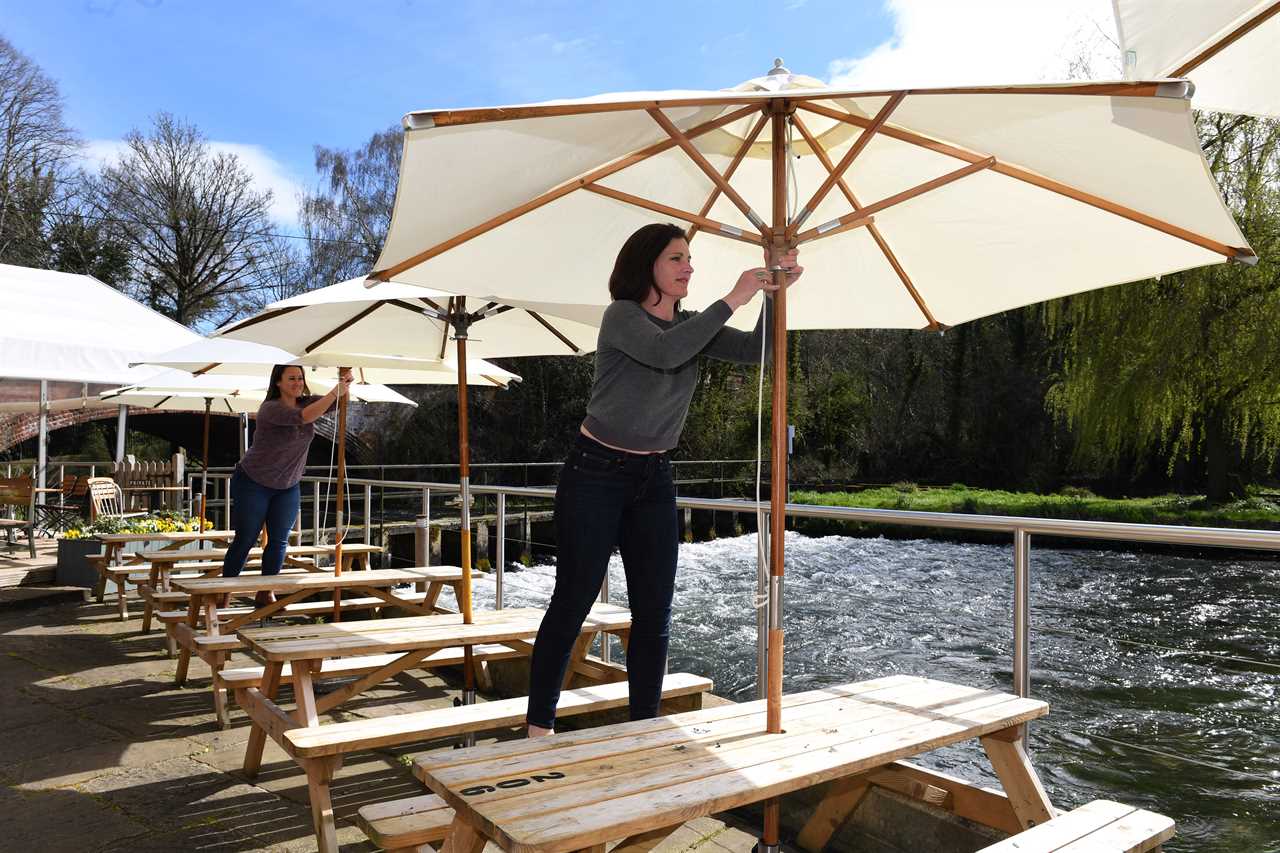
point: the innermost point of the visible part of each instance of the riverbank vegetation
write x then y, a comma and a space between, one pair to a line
1257, 511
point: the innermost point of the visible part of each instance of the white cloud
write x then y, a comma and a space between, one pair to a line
942, 43
268, 173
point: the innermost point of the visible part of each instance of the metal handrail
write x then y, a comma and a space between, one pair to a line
1021, 528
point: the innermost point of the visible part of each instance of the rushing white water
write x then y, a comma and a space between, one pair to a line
1110, 636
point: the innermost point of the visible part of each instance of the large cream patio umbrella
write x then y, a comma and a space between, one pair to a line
1226, 47
398, 324
913, 208
178, 391
220, 355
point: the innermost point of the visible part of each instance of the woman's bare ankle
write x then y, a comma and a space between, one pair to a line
538, 731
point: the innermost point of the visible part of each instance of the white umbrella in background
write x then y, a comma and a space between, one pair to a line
226, 354
178, 391
1227, 48
917, 208
395, 325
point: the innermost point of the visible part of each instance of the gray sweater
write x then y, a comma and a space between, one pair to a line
647, 368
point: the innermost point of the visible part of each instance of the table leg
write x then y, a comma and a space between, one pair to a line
184, 657
843, 796
258, 735
121, 606
645, 841
304, 692
1026, 795
319, 777
462, 838
217, 659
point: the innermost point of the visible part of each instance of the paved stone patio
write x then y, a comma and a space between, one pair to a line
99, 751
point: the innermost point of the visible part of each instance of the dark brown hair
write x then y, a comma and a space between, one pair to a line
277, 373
632, 276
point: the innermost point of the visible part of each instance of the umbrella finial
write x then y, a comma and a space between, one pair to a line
778, 68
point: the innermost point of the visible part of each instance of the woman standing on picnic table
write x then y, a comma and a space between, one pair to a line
616, 487
264, 487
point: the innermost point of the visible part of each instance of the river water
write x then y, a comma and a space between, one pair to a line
1133, 717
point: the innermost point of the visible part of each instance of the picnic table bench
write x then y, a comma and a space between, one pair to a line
205, 633
406, 643
1102, 826
112, 568
640, 781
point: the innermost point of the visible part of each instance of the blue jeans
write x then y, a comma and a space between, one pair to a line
609, 498
252, 505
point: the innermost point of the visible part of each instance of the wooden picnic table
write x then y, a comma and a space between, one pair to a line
642, 780
410, 641
113, 546
207, 634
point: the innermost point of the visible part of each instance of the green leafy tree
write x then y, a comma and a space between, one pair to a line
1187, 367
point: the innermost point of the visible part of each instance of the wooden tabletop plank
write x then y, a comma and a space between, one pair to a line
678, 727
416, 632
293, 582
291, 551
172, 536
818, 724
572, 799
692, 737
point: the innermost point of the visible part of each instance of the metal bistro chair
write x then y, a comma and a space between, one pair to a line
59, 511
106, 500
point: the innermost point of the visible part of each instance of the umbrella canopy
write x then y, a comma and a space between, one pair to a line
918, 208
178, 391
404, 323
950, 204
1226, 47
227, 356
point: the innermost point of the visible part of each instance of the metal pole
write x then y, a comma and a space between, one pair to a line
122, 424
315, 513
606, 653
500, 571
1021, 613
42, 440
338, 512
226, 503
762, 608
243, 434
368, 514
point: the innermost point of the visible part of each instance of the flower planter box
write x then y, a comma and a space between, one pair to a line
74, 568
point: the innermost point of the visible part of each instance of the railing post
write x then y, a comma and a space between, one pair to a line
1022, 615
368, 514
226, 503
315, 512
500, 570
762, 603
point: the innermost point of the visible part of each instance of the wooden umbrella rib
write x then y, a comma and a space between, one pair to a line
426, 120
880, 241
728, 173
839, 171
264, 316
716, 227
553, 330
1027, 176
1226, 41
342, 327
687, 146
863, 216
555, 193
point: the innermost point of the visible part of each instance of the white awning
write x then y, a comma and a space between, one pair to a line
59, 326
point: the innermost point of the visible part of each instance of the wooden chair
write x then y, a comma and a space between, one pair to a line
19, 492
106, 500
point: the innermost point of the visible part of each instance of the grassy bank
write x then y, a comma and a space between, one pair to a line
1255, 511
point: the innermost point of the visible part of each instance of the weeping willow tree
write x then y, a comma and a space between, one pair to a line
1186, 368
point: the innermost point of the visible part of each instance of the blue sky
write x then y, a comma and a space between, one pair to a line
271, 79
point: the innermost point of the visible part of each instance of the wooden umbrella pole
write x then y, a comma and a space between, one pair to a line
338, 513
204, 476
778, 113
